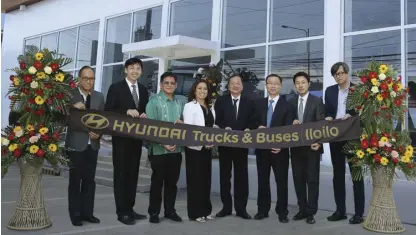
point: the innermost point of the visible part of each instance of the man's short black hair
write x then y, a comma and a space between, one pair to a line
235, 75
84, 68
337, 65
301, 74
168, 74
274, 75
133, 61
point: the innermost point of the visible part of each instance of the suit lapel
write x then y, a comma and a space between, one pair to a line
276, 111
307, 108
336, 98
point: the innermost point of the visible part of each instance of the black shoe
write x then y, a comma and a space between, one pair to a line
76, 221
283, 219
91, 219
126, 219
173, 216
337, 216
244, 215
154, 219
222, 213
260, 216
138, 216
300, 216
310, 219
356, 219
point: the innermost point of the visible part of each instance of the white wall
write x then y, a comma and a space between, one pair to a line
48, 16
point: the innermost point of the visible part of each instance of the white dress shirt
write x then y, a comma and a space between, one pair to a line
342, 99
238, 102
275, 101
131, 88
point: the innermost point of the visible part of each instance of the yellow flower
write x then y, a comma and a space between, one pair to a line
52, 147
39, 56
43, 130
59, 77
374, 81
405, 159
16, 81
12, 147
399, 87
360, 154
33, 149
371, 151
383, 68
384, 139
214, 94
384, 161
408, 154
409, 148
363, 137
39, 100
30, 127
41, 75
379, 97
17, 128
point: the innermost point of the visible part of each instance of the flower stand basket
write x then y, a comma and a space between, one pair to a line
30, 212
382, 215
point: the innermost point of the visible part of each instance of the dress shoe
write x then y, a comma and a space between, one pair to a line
154, 219
356, 219
222, 213
299, 216
126, 219
173, 216
76, 221
283, 219
310, 219
138, 216
92, 219
260, 216
244, 215
337, 216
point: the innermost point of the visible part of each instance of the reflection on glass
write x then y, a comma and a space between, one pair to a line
147, 24
87, 45
361, 49
32, 43
117, 34
411, 79
191, 18
363, 15
49, 42
301, 18
251, 63
244, 22
67, 42
288, 59
411, 9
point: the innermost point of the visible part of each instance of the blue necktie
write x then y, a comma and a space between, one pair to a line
270, 113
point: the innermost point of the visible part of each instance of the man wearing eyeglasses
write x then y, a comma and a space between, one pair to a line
335, 107
165, 160
83, 152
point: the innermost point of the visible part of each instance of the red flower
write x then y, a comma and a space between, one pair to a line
388, 149
389, 80
48, 85
39, 92
60, 95
358, 107
31, 101
398, 102
384, 86
11, 136
373, 75
400, 149
40, 112
25, 90
40, 153
374, 137
38, 65
11, 78
395, 87
374, 143
364, 79
31, 133
22, 140
56, 135
388, 116
366, 94
22, 65
45, 137
395, 160
4, 151
385, 94
352, 89
72, 84
17, 153
28, 109
364, 144
27, 78
54, 67
49, 101
377, 157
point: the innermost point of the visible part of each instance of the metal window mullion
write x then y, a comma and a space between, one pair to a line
76, 48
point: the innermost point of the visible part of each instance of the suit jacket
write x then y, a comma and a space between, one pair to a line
78, 140
282, 116
194, 115
120, 99
225, 117
331, 101
314, 111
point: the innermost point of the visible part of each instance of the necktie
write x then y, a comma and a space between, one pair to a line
135, 97
235, 108
88, 102
270, 113
300, 111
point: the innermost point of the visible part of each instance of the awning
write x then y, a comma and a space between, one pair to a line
173, 47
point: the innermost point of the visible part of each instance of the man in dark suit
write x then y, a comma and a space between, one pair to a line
306, 159
270, 112
233, 112
335, 106
83, 152
127, 97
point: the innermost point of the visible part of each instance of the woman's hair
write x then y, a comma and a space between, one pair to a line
191, 95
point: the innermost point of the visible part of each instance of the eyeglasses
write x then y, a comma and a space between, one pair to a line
87, 79
339, 74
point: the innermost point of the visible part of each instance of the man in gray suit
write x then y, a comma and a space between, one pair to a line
306, 159
83, 152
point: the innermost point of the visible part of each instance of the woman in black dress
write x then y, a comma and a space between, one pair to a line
198, 111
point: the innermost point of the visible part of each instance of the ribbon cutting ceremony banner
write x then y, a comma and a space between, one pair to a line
110, 123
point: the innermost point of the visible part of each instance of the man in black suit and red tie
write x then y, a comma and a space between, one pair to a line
130, 98
272, 111
335, 106
306, 160
233, 112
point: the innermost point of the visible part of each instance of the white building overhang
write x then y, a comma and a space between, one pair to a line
173, 47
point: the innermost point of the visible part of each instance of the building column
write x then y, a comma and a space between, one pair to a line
216, 29
100, 55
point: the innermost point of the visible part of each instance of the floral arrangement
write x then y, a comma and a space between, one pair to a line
39, 92
380, 99
211, 76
